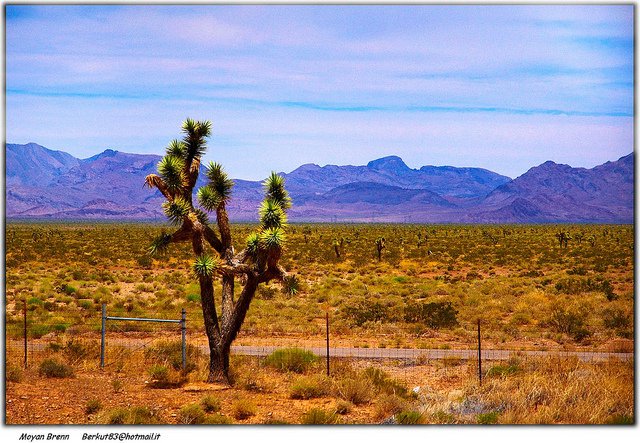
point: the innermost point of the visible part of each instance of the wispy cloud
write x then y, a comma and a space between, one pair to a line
324, 67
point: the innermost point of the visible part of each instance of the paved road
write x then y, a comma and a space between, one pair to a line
434, 354
381, 353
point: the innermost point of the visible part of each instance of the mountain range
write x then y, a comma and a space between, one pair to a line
46, 184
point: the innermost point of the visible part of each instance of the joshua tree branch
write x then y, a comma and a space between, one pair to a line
213, 239
154, 181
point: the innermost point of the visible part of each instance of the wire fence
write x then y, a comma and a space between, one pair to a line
129, 340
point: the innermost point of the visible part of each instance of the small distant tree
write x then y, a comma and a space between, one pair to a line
380, 246
257, 263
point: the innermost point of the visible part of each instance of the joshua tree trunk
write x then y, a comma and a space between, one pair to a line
256, 264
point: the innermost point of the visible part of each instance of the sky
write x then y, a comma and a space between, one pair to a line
500, 87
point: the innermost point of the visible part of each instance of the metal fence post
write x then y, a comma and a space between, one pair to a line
479, 355
183, 323
327, 318
24, 315
103, 335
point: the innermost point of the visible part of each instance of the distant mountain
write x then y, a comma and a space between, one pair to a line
552, 192
444, 180
42, 183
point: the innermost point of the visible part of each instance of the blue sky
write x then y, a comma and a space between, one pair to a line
500, 87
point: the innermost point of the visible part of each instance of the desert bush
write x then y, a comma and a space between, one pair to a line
159, 374
93, 406
243, 408
357, 390
291, 360
409, 418
192, 414
384, 383
210, 403
388, 405
13, 373
317, 416
135, 415
363, 311
571, 321
217, 419
76, 351
488, 418
615, 318
343, 407
310, 387
54, 369
502, 370
170, 352
165, 377
577, 285
434, 315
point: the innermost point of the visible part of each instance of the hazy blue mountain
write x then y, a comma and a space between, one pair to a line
42, 183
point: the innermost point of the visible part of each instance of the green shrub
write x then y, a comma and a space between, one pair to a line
242, 409
68, 289
159, 374
502, 370
409, 418
314, 386
291, 360
317, 416
192, 415
193, 298
39, 330
210, 403
93, 406
488, 418
54, 369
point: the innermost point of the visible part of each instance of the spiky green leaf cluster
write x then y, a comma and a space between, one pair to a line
176, 210
208, 198
176, 149
202, 216
275, 191
160, 244
194, 138
272, 215
291, 285
272, 238
171, 171
219, 181
253, 243
205, 266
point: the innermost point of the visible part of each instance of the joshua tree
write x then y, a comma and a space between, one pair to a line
563, 238
380, 247
257, 263
336, 247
